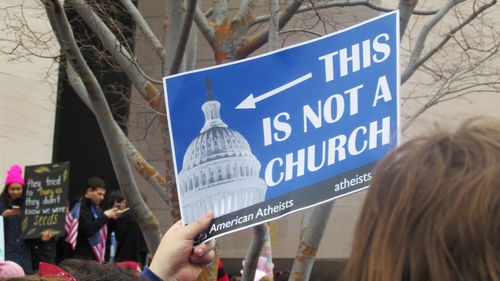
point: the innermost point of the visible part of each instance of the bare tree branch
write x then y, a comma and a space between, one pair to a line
415, 60
146, 30
446, 88
106, 122
207, 30
260, 39
272, 41
148, 91
406, 8
345, 3
253, 254
312, 233
181, 45
219, 11
240, 23
301, 30
133, 155
119, 53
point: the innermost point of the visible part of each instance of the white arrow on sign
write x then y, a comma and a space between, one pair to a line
250, 101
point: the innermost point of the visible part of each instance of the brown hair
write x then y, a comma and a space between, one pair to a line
91, 270
35, 278
266, 278
94, 183
432, 212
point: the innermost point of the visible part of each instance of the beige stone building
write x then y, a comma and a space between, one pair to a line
27, 98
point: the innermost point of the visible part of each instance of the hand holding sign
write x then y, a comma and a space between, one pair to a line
46, 235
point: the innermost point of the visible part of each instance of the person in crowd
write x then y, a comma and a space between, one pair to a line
131, 245
266, 278
175, 259
92, 228
10, 269
35, 278
131, 265
281, 275
11, 200
432, 210
261, 270
50, 270
221, 272
43, 249
236, 278
83, 270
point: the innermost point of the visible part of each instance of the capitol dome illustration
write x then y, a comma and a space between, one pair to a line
219, 171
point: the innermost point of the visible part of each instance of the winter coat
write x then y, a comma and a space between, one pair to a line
16, 249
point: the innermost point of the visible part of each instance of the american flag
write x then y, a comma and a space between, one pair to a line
98, 243
71, 225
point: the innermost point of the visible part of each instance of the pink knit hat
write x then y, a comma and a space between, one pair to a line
10, 269
15, 174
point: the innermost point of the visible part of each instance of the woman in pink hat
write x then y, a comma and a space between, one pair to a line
11, 200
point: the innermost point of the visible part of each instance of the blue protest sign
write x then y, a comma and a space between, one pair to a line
257, 139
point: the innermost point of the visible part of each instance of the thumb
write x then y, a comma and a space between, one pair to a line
198, 226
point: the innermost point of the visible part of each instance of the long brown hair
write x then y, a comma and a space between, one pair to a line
432, 212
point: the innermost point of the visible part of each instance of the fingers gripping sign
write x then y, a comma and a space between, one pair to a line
176, 259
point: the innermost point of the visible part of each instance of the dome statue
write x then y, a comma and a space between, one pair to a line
219, 171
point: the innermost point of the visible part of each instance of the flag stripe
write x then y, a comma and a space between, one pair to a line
71, 225
99, 248
97, 241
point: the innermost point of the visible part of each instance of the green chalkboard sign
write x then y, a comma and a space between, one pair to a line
46, 196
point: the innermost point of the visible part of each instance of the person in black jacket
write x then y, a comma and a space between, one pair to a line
92, 218
131, 245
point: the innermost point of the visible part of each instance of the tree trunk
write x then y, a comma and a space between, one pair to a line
309, 244
253, 254
107, 124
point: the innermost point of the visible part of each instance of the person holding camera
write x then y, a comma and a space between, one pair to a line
11, 199
130, 244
